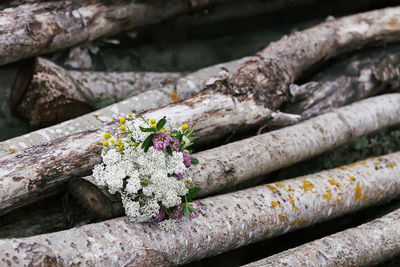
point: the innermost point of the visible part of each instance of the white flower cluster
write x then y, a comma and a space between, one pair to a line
144, 179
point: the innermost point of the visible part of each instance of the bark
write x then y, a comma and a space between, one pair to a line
225, 166
267, 75
30, 29
184, 88
210, 114
46, 94
282, 61
363, 75
226, 221
365, 245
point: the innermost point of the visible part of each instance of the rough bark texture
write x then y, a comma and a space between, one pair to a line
30, 29
365, 245
267, 76
211, 115
184, 88
226, 221
46, 94
282, 61
225, 166
368, 73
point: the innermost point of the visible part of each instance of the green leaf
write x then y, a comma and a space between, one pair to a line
193, 191
192, 209
146, 130
161, 123
169, 150
186, 211
147, 142
194, 160
168, 212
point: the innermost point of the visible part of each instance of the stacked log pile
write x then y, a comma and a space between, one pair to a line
236, 97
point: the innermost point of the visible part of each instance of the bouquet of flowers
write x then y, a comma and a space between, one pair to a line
146, 164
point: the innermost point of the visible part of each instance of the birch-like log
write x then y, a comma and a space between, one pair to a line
225, 222
184, 88
365, 245
46, 94
29, 28
280, 63
365, 74
228, 165
73, 156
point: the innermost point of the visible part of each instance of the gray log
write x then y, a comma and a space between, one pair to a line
226, 221
46, 94
29, 29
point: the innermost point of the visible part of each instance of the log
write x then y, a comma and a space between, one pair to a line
212, 114
45, 94
226, 221
29, 29
267, 75
283, 62
366, 245
184, 88
363, 75
226, 166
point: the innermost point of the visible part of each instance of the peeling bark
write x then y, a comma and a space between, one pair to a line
184, 88
46, 94
268, 74
226, 221
228, 165
211, 115
368, 73
282, 61
365, 245
31, 29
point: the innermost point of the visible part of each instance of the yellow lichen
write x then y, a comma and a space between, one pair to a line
342, 168
338, 201
302, 221
333, 182
282, 218
272, 188
378, 195
295, 208
279, 185
390, 165
328, 195
364, 197
352, 178
12, 150
358, 192
274, 204
307, 186
174, 96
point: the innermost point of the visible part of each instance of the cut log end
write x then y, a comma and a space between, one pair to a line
99, 203
21, 83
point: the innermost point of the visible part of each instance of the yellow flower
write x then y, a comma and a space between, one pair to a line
122, 120
105, 143
119, 141
130, 115
107, 135
185, 127
121, 147
165, 130
153, 121
112, 141
131, 143
154, 126
122, 127
135, 144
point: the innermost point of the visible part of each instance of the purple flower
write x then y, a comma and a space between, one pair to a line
194, 214
177, 213
175, 144
161, 141
179, 176
187, 159
161, 215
